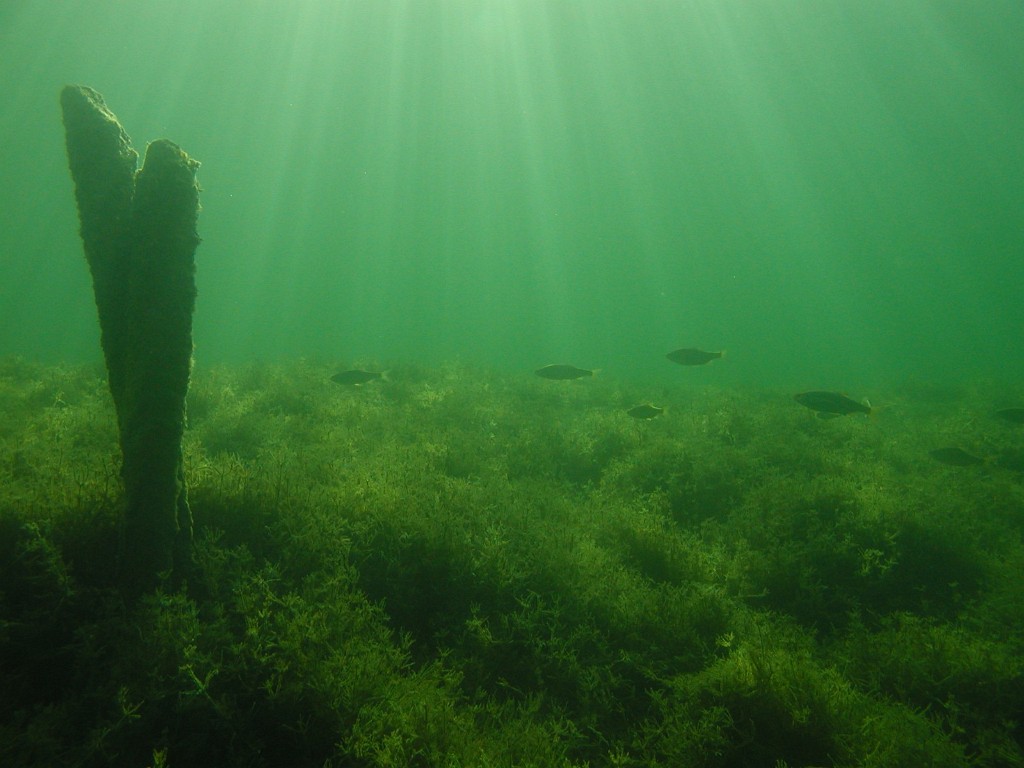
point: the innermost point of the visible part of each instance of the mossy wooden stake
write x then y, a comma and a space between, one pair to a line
139, 233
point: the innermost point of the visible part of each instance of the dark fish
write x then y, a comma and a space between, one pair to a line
1012, 415
956, 457
645, 411
691, 356
831, 402
562, 372
356, 377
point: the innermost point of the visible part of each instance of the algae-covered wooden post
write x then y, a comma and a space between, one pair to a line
139, 233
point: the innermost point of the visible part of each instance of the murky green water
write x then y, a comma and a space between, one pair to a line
830, 191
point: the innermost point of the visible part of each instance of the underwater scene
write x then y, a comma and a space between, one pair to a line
512, 383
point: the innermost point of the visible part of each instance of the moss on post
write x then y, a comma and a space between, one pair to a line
139, 234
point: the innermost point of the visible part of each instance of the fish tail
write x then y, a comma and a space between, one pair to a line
873, 410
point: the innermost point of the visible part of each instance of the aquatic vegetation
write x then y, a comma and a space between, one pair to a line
458, 567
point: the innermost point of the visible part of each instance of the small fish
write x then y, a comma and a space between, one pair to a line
831, 402
645, 411
691, 356
956, 457
356, 377
1012, 415
562, 372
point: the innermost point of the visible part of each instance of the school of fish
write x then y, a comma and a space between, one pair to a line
824, 403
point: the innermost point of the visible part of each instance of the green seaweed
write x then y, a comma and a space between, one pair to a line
461, 567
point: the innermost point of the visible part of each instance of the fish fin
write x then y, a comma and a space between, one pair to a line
384, 376
873, 410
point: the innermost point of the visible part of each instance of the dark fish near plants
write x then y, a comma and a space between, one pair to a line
834, 403
562, 372
956, 457
356, 377
692, 356
645, 411
1012, 415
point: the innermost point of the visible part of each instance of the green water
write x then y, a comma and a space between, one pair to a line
830, 191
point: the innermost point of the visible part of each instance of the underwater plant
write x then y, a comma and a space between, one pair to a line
460, 567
